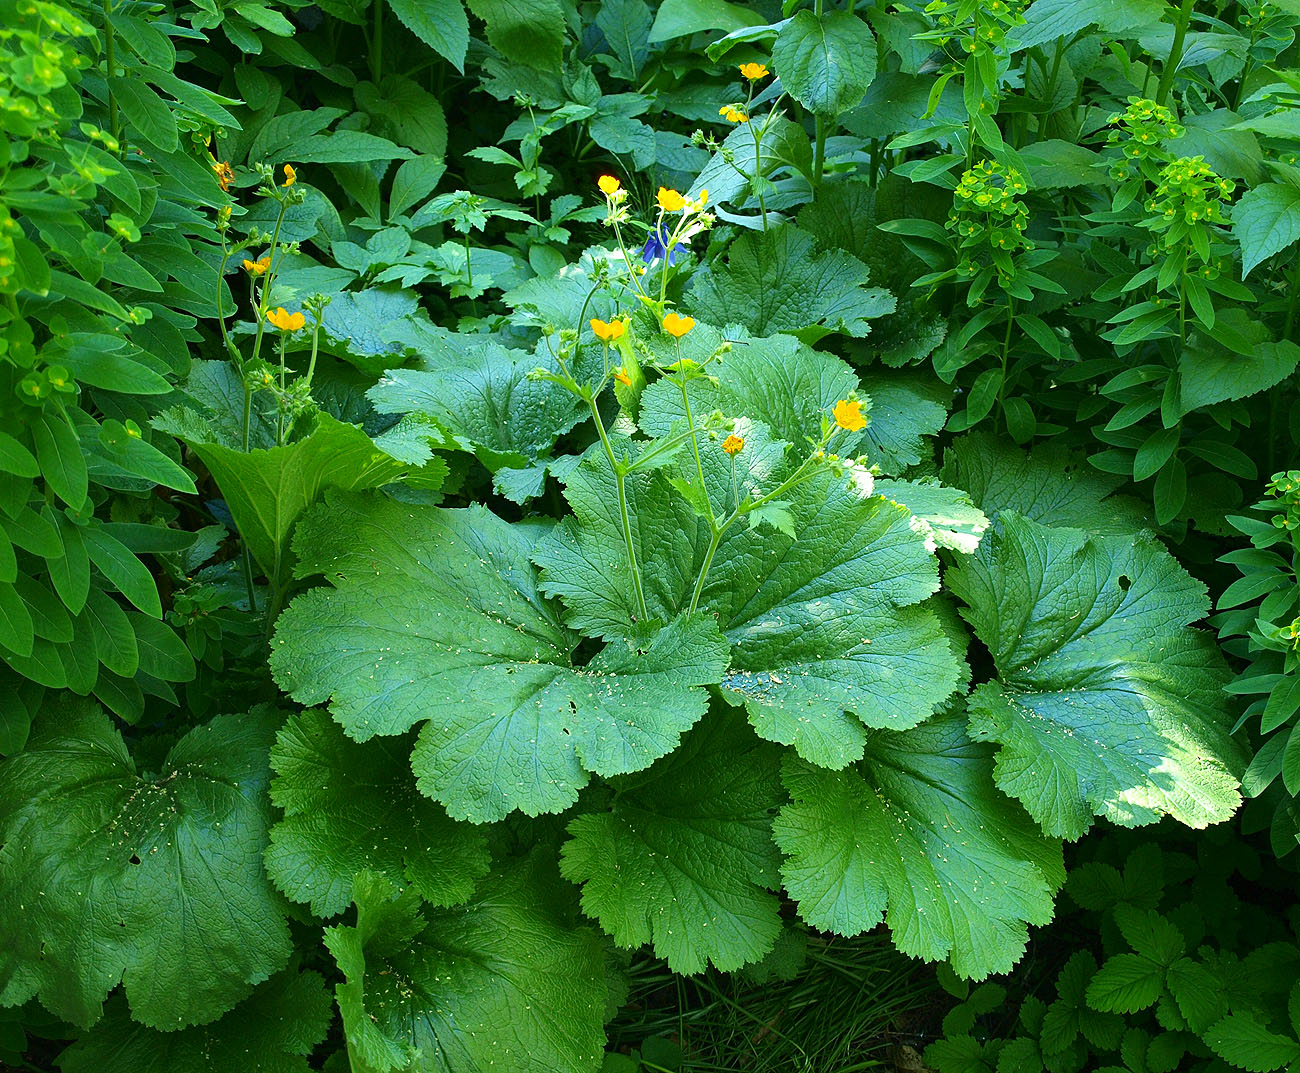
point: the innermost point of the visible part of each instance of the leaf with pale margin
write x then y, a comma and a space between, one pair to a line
503, 982
684, 856
353, 808
918, 835
1106, 703
436, 615
1050, 486
157, 882
944, 517
774, 282
272, 1031
483, 397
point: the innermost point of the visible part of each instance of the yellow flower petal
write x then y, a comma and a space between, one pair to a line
620, 374
290, 176
677, 326
284, 320
608, 331
608, 185
848, 415
753, 71
670, 200
733, 445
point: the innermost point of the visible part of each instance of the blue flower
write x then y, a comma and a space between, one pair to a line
656, 246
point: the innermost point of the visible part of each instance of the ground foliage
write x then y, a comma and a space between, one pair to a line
500, 495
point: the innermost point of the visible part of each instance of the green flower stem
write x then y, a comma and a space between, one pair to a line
226, 253
756, 180
662, 446
377, 43
582, 313
804, 473
695, 443
620, 476
315, 346
1182, 19
268, 278
714, 541
618, 235
279, 409
799, 477
260, 312
668, 249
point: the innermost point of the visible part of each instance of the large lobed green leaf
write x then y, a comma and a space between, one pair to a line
271, 1031
1048, 486
155, 881
788, 387
352, 808
774, 282
435, 616
482, 398
918, 835
684, 856
1106, 702
503, 982
268, 490
824, 636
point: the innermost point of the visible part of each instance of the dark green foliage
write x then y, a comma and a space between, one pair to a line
713, 477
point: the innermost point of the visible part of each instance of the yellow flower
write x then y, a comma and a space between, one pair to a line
290, 176
671, 200
848, 415
607, 332
620, 374
732, 114
753, 71
258, 267
704, 197
678, 326
609, 186
733, 445
284, 320
225, 174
